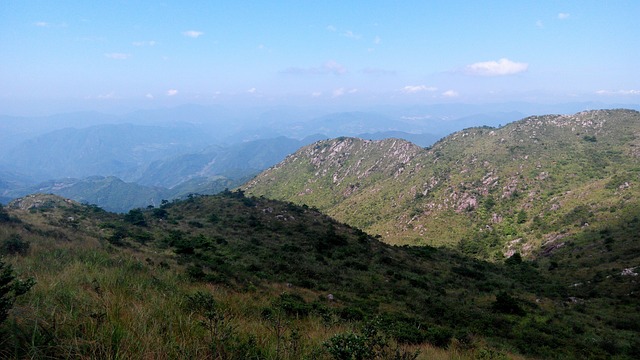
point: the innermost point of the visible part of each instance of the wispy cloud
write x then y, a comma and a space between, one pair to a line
193, 34
252, 90
46, 24
329, 67
118, 56
562, 16
377, 40
496, 68
172, 92
149, 96
351, 35
450, 93
316, 94
539, 24
331, 28
618, 92
334, 68
144, 43
412, 89
338, 92
342, 91
378, 72
110, 95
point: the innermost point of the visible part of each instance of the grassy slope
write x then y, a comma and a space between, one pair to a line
477, 183
120, 286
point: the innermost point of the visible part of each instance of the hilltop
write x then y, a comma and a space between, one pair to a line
246, 277
489, 191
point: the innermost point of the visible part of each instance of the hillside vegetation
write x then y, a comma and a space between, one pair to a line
237, 277
489, 192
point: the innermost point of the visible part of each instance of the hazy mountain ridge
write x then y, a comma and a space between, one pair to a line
117, 150
113, 194
167, 147
479, 183
236, 161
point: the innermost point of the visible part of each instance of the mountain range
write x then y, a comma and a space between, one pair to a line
521, 187
518, 241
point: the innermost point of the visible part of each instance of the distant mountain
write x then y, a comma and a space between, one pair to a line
113, 194
118, 150
110, 193
488, 191
234, 162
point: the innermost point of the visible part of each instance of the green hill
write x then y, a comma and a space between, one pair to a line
490, 192
237, 277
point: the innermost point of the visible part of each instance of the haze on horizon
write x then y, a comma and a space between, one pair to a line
68, 55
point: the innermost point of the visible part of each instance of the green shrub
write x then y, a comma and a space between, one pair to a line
10, 288
135, 217
15, 245
506, 304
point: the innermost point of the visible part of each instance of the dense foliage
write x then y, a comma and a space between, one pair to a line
231, 276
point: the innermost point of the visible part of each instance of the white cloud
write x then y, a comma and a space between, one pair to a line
539, 24
342, 91
450, 93
562, 16
118, 56
329, 67
377, 40
252, 90
349, 34
149, 96
193, 34
172, 92
41, 24
334, 68
144, 43
331, 28
496, 68
618, 92
316, 94
412, 89
111, 95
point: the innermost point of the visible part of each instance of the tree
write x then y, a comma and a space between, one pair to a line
135, 217
506, 304
10, 289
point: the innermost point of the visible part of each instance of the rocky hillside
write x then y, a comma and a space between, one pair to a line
489, 191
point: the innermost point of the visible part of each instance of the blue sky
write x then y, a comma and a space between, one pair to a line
80, 54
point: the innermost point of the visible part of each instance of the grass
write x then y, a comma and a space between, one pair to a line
267, 268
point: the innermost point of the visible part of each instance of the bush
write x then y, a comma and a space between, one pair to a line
135, 217
439, 336
10, 288
4, 216
369, 344
15, 245
506, 304
292, 304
